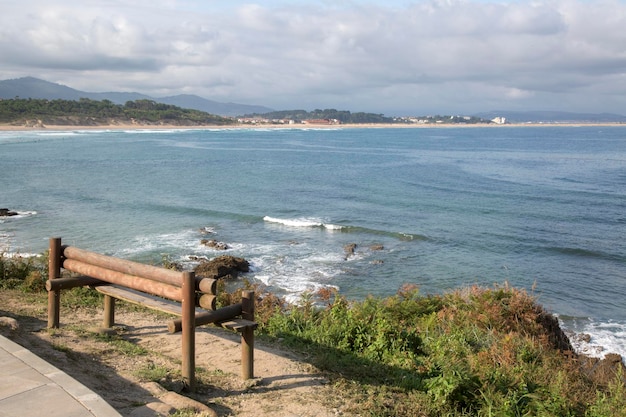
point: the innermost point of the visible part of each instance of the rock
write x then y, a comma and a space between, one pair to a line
172, 401
349, 249
225, 266
212, 243
153, 409
9, 322
180, 402
378, 262
556, 335
5, 212
377, 247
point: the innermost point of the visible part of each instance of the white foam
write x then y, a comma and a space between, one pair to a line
20, 255
21, 214
164, 243
152, 131
293, 271
59, 133
302, 222
606, 337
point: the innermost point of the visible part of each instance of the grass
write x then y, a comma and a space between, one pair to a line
153, 372
471, 352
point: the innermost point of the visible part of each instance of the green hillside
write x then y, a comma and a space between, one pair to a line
86, 112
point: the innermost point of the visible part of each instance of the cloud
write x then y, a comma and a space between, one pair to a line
380, 56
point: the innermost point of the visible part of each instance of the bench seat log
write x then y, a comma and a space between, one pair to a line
144, 299
238, 325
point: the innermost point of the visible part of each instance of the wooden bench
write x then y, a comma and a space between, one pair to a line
177, 293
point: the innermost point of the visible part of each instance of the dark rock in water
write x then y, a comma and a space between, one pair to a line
5, 212
212, 243
377, 246
378, 262
349, 249
227, 267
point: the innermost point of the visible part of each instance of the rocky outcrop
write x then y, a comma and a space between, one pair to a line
214, 244
5, 212
226, 267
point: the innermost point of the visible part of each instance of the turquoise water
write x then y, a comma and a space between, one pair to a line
541, 207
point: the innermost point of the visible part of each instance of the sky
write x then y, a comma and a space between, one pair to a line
392, 57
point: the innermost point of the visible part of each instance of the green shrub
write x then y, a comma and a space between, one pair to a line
475, 351
27, 273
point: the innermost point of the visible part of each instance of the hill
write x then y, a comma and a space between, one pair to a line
87, 112
30, 87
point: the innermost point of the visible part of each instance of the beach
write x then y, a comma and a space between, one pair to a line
129, 126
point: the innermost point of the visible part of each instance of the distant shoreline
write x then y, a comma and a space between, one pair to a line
43, 128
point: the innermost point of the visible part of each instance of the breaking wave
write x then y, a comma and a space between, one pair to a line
302, 222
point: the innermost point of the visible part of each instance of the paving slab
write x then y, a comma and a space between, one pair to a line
31, 387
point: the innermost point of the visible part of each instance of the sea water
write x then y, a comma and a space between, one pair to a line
541, 208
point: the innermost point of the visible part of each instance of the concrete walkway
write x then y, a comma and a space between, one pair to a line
31, 387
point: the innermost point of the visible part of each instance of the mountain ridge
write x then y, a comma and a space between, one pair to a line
31, 87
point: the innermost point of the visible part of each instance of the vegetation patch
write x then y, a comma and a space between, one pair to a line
474, 351
86, 112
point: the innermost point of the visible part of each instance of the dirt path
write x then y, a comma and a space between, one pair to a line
284, 385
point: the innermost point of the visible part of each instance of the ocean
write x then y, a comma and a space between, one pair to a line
541, 208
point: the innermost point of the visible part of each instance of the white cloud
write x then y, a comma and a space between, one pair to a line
380, 56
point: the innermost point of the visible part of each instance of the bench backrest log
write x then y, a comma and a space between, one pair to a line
182, 287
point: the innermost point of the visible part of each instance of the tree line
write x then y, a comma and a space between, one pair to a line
93, 112
343, 116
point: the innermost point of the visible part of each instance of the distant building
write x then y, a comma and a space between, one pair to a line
499, 120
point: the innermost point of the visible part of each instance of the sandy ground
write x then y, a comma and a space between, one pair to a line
284, 384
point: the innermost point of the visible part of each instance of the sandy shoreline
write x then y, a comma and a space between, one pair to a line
7, 127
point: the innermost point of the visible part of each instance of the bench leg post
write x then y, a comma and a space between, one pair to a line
247, 336
109, 312
189, 330
54, 271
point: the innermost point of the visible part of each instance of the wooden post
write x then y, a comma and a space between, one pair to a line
109, 312
189, 330
54, 271
247, 336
